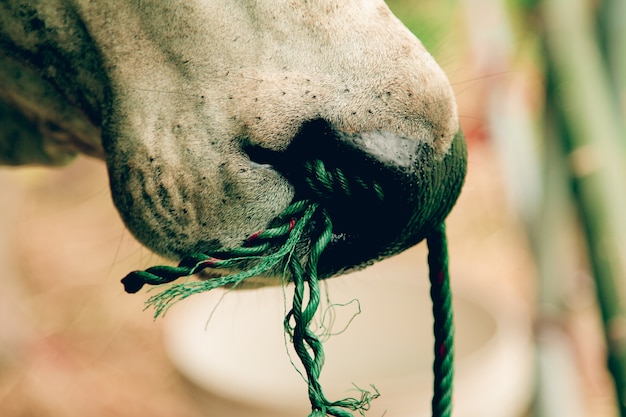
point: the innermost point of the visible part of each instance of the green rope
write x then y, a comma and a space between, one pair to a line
307, 345
289, 230
443, 327
332, 183
286, 230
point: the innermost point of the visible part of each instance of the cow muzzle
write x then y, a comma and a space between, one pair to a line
383, 192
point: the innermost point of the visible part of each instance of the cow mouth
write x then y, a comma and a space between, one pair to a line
383, 192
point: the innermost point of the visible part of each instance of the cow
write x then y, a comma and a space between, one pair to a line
205, 111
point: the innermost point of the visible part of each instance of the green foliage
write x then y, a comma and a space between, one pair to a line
430, 20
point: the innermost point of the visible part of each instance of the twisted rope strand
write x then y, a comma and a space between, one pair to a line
195, 263
327, 183
307, 345
443, 327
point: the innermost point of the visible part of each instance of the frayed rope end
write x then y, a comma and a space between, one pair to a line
307, 345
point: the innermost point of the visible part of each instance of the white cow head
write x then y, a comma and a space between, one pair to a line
205, 110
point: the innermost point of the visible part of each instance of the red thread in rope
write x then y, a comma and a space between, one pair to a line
254, 236
441, 277
442, 350
208, 263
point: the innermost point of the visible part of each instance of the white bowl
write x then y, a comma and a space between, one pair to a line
232, 345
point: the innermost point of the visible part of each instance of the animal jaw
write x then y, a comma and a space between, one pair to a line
181, 99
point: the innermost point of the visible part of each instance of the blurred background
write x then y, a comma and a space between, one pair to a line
539, 227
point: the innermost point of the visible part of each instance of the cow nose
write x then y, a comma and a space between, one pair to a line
383, 191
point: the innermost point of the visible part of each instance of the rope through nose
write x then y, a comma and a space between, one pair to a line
290, 229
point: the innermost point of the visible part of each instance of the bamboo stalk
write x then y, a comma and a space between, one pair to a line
593, 135
612, 31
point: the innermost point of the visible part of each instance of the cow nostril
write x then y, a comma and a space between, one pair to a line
331, 168
260, 156
383, 192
